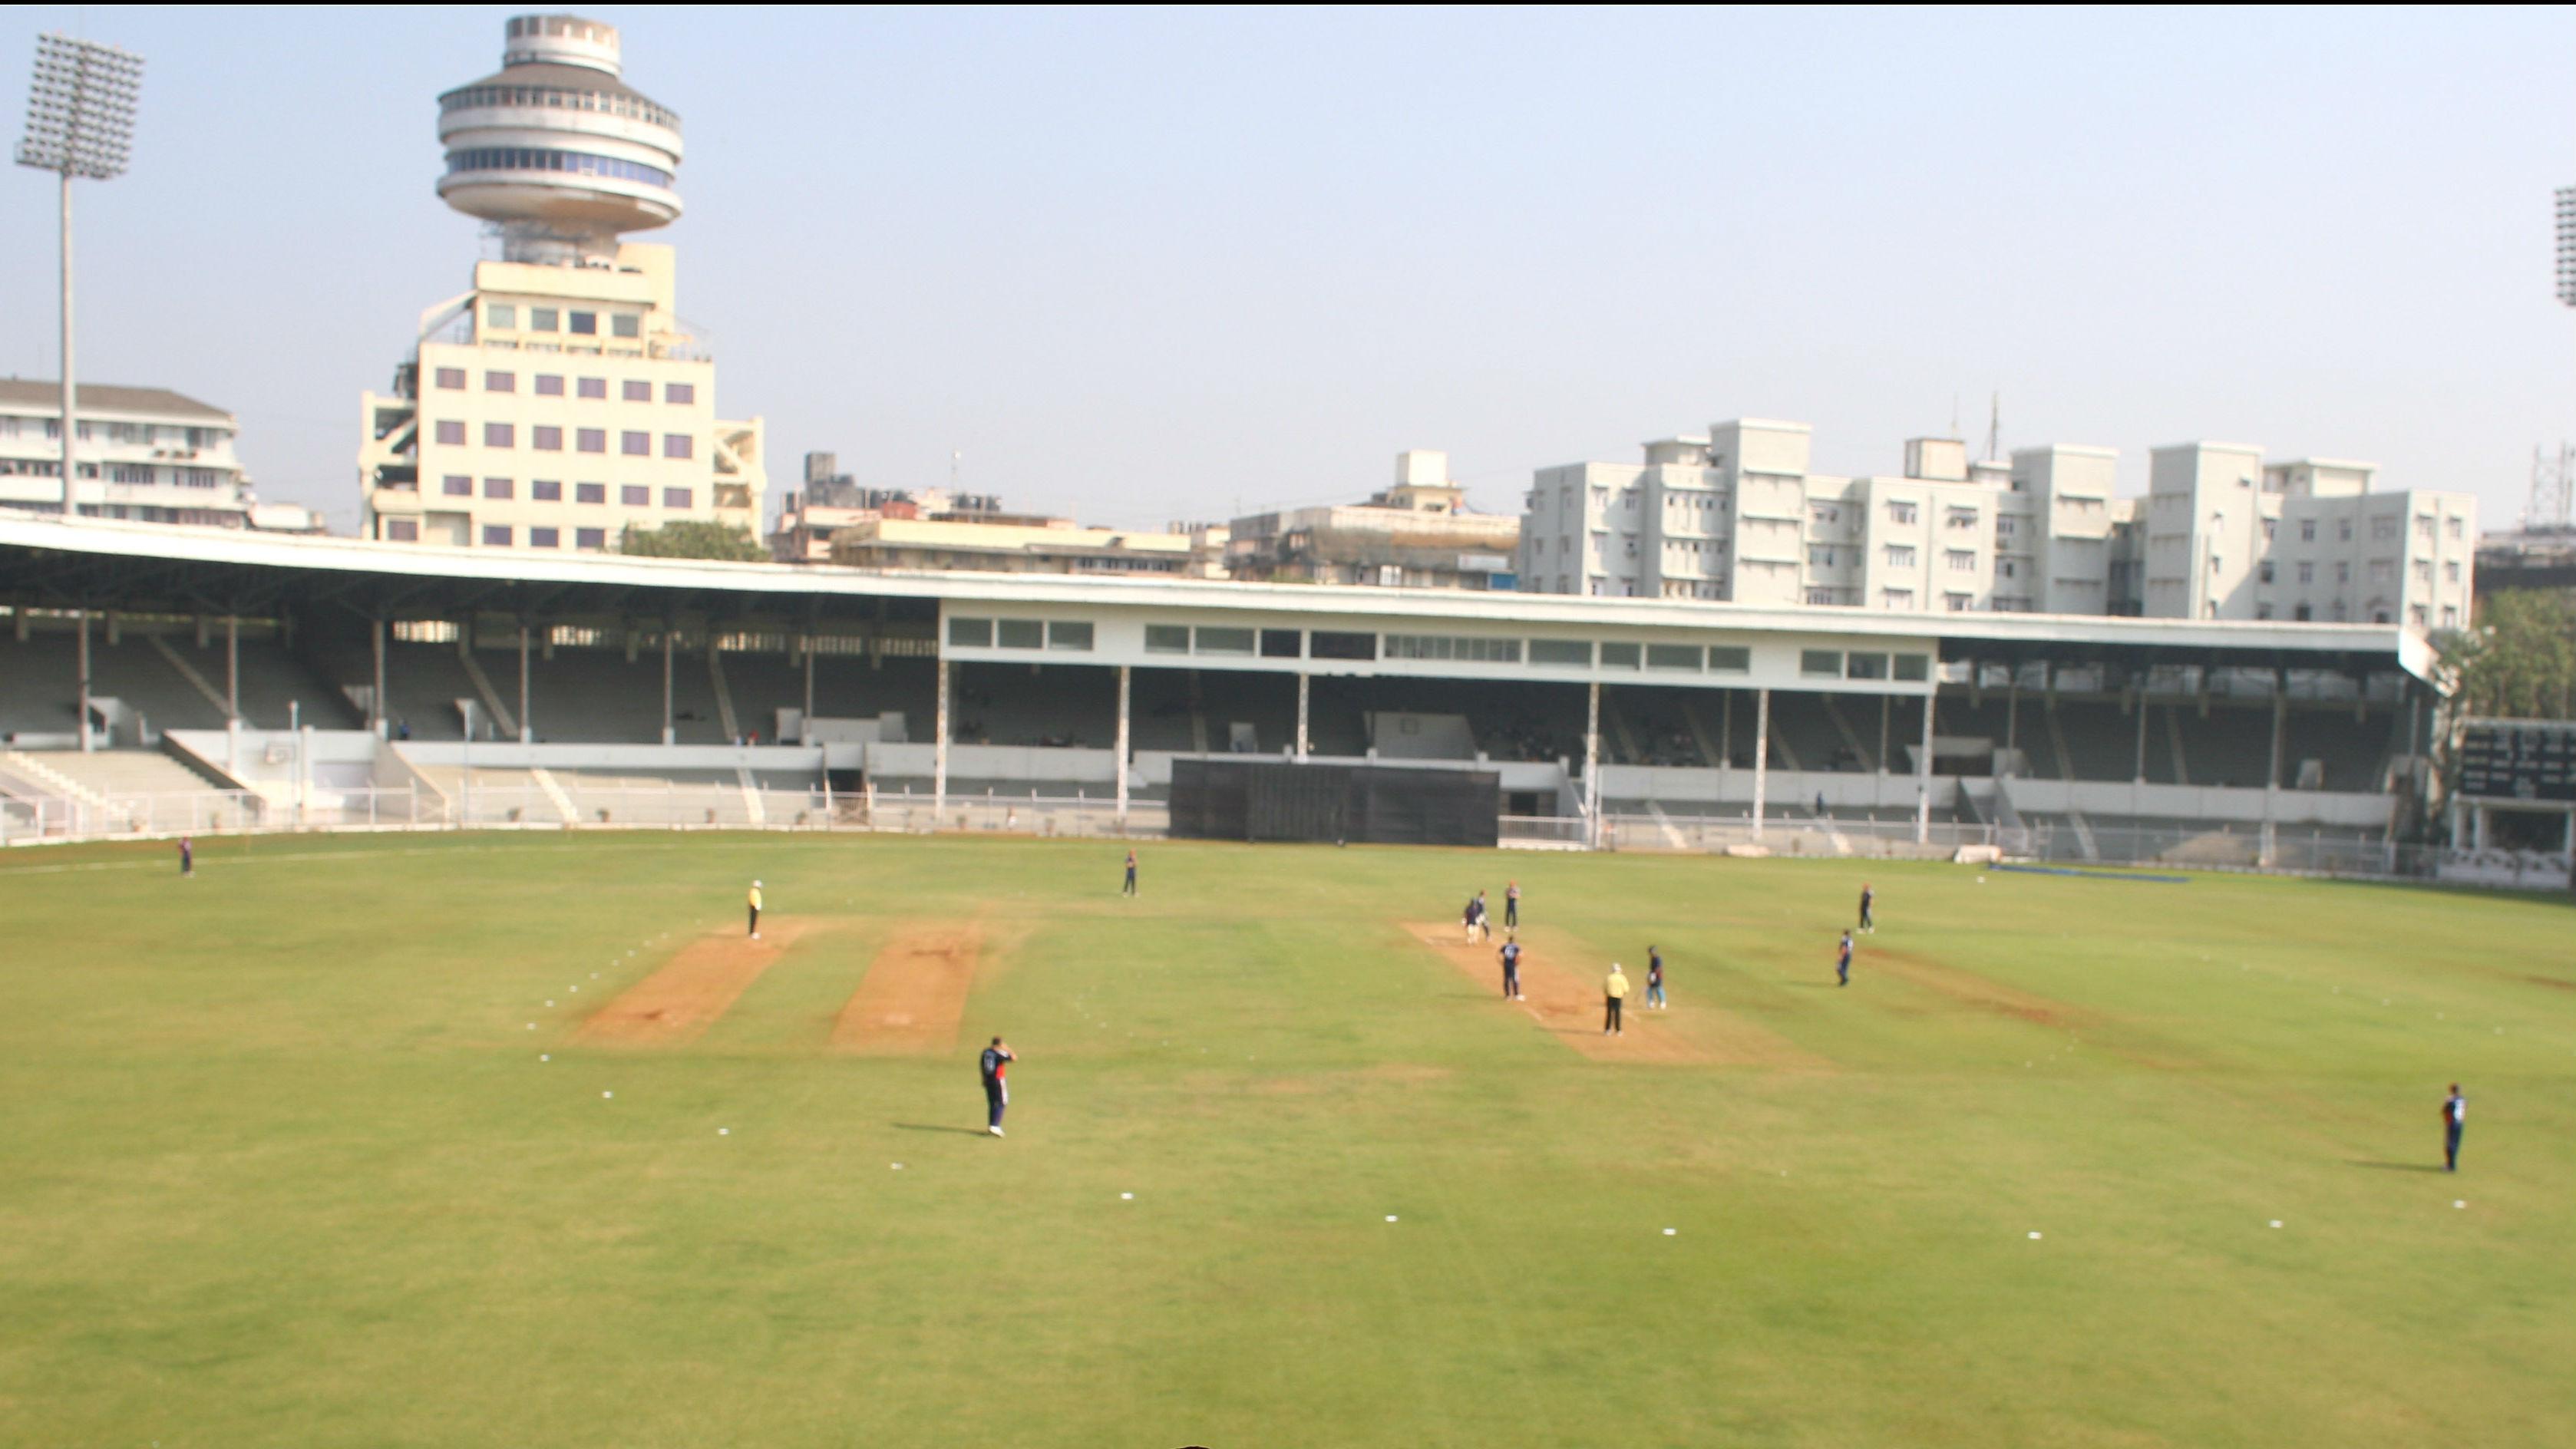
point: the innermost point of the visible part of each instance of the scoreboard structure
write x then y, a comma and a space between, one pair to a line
2519, 760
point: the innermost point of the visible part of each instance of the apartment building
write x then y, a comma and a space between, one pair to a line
140, 453
1736, 515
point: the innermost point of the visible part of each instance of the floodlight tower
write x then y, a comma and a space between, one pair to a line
80, 122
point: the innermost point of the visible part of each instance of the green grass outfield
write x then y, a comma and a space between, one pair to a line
279, 1163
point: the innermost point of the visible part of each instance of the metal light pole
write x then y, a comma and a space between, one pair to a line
80, 122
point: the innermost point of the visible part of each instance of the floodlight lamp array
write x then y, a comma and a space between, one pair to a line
80, 108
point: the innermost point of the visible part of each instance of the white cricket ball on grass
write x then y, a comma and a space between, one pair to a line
2034, 1237
606, 1095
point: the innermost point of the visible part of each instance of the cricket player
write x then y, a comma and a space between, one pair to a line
1866, 924
187, 856
1129, 888
997, 1091
1842, 963
1484, 918
1613, 991
755, 910
1655, 980
2455, 1118
1467, 918
1511, 954
1511, 905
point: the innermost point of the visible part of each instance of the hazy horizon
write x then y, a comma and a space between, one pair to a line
1140, 266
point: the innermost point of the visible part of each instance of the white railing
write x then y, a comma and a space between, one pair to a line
519, 804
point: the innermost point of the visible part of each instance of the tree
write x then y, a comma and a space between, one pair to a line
693, 538
2519, 662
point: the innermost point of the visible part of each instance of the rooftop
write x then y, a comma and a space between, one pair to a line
46, 394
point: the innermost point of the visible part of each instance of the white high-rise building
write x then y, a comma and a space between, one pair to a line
1736, 516
559, 401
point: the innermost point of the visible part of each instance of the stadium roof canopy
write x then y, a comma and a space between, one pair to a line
55, 563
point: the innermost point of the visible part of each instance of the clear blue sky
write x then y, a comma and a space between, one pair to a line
1149, 265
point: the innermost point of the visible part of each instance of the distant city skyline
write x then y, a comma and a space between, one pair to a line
1139, 266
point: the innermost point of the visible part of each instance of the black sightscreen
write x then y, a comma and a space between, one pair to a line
1376, 804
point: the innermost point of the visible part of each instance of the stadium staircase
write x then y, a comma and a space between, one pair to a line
1780, 746
1851, 740
555, 796
1699, 733
483, 689
1620, 734
725, 716
179, 664
2066, 771
28, 767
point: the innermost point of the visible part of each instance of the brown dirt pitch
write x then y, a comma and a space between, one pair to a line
914, 994
1563, 987
673, 1005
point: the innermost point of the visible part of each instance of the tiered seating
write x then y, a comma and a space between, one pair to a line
1659, 724
126, 772
1053, 704
2354, 752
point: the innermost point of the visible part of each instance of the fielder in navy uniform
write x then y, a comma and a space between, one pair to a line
1866, 923
1655, 980
1511, 954
997, 1091
1842, 963
2455, 1117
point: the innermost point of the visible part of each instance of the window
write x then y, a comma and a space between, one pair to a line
2383, 571
1858, 665
501, 314
2451, 572
1900, 556
626, 324
402, 530
1959, 561
971, 633
2383, 530
635, 390
583, 324
1730, 658
1282, 643
1069, 634
2343, 530
1575, 653
1674, 656
590, 493
2423, 571
457, 485
543, 319
2307, 573
550, 384
546, 490
592, 387
1019, 634
1621, 656
634, 495
2262, 611
1224, 641
496, 535
682, 393
590, 440
1914, 668
2424, 527
1446, 646
545, 538
1957, 603
1341, 644
2006, 525
546, 438
679, 497
2302, 613
500, 382
1820, 556
1900, 512
2450, 617
2007, 568
2343, 573
1960, 518
2307, 530
635, 445
1824, 513
451, 433
498, 488
1820, 597
2454, 527
452, 379
1821, 663
593, 539
499, 435
2263, 572
1167, 639
678, 445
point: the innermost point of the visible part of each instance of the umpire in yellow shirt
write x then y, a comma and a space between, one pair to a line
755, 910
1613, 991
